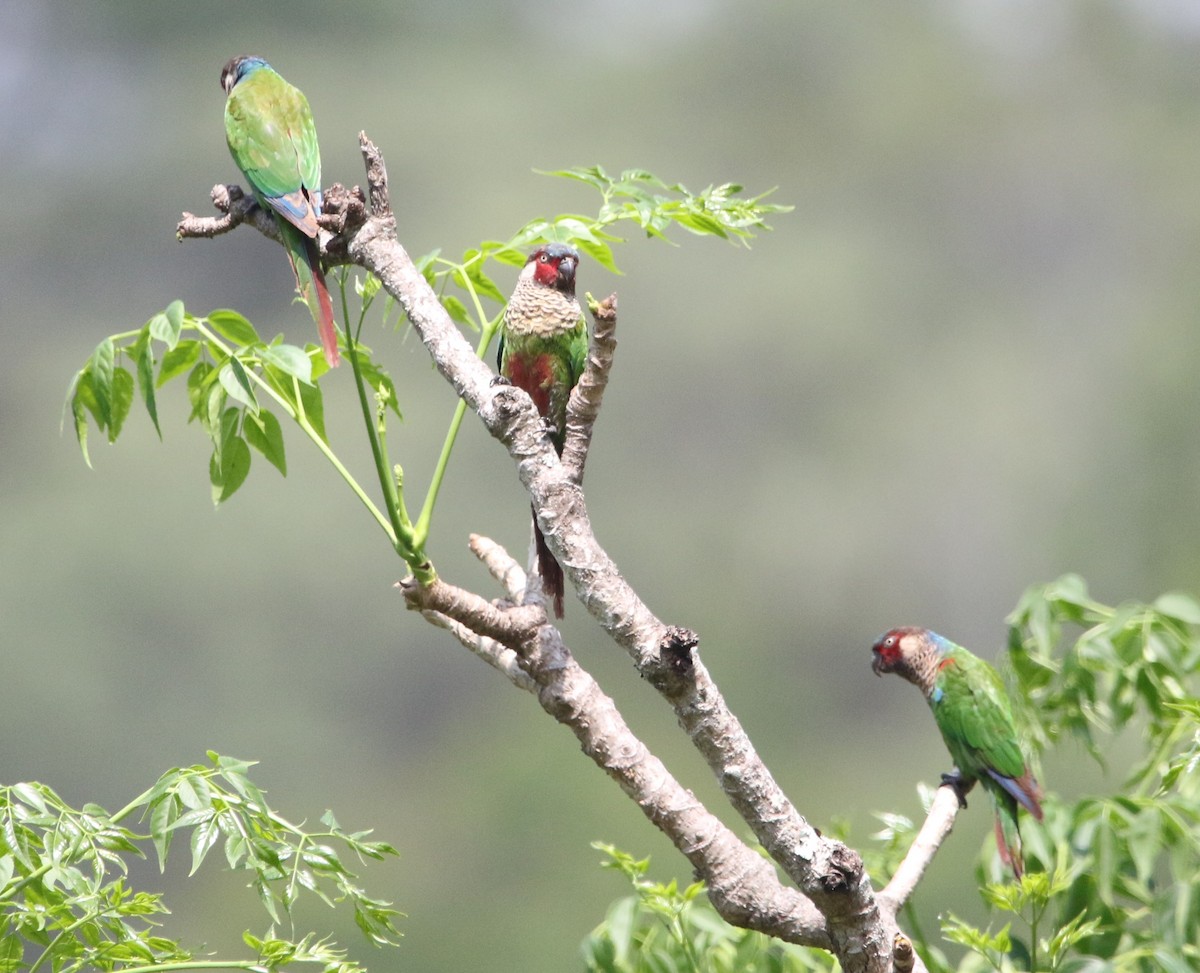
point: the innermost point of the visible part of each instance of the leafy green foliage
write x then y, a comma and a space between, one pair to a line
635, 196
65, 900
221, 377
1030, 899
662, 928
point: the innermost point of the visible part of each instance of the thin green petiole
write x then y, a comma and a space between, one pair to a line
421, 530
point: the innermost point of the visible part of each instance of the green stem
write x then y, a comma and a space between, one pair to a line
400, 532
215, 964
425, 519
16, 887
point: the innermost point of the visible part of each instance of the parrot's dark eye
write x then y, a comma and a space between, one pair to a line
544, 258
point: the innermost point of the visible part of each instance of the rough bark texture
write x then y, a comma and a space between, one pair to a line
833, 905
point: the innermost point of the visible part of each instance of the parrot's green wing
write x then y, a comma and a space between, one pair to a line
578, 353
273, 140
975, 718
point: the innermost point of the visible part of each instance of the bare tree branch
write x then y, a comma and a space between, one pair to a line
837, 909
741, 884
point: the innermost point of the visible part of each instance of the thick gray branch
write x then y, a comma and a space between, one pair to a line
741, 884
828, 873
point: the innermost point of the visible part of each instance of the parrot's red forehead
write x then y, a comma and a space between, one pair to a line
891, 646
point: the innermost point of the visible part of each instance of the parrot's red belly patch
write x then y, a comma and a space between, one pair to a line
535, 375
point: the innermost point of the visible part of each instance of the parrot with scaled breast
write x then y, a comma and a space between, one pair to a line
974, 714
543, 350
272, 138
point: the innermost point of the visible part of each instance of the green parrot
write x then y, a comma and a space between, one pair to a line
543, 350
974, 714
273, 140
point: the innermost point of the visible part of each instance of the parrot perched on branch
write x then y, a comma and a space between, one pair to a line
974, 714
543, 350
273, 140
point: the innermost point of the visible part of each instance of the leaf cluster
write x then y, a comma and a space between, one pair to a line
662, 928
65, 899
228, 370
634, 196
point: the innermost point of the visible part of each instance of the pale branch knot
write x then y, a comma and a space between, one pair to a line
903, 954
676, 648
343, 213
842, 871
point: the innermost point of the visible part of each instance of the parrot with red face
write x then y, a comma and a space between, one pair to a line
543, 350
974, 714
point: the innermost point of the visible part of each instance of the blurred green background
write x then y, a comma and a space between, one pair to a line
966, 363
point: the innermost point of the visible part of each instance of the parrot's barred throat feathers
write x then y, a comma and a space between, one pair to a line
913, 654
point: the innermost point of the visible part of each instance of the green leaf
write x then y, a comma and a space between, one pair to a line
81, 387
263, 432
204, 837
198, 382
11, 950
101, 369
178, 360
236, 382
174, 315
229, 471
290, 360
122, 400
1179, 606
233, 326
381, 382
457, 311
145, 375
160, 329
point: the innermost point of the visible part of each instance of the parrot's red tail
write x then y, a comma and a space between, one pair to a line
550, 570
323, 312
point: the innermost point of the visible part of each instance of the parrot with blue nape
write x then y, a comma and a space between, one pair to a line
272, 138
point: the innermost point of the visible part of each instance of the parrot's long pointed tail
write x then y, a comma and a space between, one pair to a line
550, 570
310, 282
1008, 839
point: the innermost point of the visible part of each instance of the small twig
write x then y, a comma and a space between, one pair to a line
498, 656
237, 207
938, 823
501, 565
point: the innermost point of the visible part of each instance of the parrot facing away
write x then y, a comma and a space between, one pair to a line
974, 714
272, 138
543, 350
